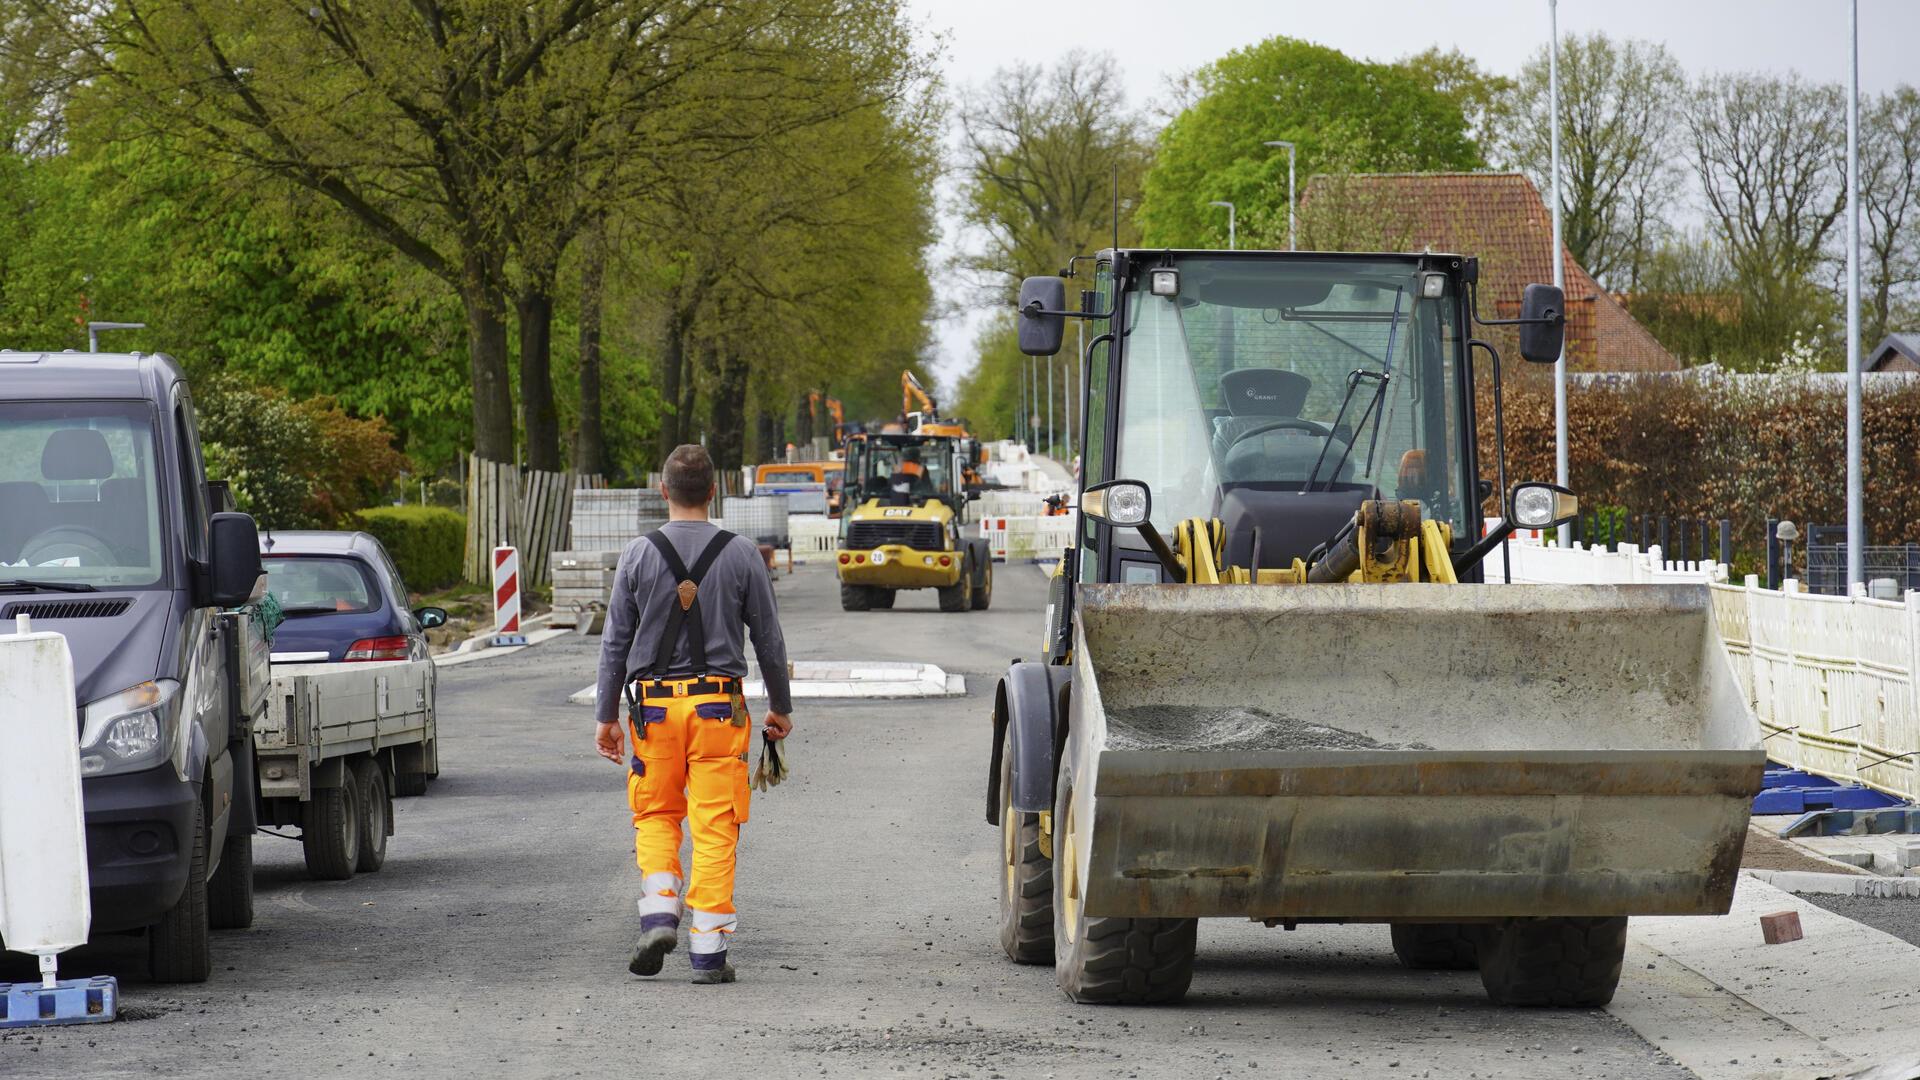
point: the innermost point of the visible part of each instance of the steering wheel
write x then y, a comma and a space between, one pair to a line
1286, 422
69, 541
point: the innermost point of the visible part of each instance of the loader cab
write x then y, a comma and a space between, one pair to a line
904, 470
1275, 391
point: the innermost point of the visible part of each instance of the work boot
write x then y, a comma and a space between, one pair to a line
711, 968
656, 941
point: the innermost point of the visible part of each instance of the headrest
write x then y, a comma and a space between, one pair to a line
1264, 392
76, 454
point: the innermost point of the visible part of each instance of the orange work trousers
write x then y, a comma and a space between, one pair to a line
690, 762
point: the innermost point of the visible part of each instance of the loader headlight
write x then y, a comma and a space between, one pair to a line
1164, 281
1124, 503
1540, 506
128, 731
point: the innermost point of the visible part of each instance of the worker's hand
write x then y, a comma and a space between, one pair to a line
611, 742
778, 725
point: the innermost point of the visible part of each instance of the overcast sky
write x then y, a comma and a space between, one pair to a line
1154, 38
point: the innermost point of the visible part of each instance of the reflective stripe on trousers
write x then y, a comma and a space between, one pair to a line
690, 762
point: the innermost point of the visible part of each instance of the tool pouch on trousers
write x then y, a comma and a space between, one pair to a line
739, 709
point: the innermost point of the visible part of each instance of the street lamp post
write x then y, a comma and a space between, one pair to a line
1856, 522
1293, 243
1229, 207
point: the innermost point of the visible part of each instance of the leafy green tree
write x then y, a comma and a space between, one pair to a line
1890, 208
1485, 99
1620, 127
1340, 112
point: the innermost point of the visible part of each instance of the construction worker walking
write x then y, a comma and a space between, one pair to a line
672, 659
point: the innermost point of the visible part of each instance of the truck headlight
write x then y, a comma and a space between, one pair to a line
128, 731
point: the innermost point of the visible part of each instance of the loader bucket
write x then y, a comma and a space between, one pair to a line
1405, 752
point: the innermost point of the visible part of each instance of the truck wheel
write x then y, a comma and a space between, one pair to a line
230, 893
179, 946
330, 832
1435, 946
1026, 877
959, 595
855, 597
409, 784
983, 592
1566, 962
1105, 961
881, 599
376, 814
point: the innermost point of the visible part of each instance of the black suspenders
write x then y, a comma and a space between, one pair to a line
684, 617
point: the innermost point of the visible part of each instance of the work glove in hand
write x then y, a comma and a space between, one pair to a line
772, 767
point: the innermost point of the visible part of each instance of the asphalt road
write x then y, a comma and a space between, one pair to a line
494, 942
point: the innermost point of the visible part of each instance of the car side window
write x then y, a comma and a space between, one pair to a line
399, 584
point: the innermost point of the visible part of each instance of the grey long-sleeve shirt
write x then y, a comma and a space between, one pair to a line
735, 599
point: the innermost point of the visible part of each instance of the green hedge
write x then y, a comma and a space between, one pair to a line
427, 542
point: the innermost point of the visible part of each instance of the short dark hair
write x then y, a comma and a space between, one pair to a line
689, 475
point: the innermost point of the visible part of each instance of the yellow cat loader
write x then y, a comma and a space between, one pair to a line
1274, 686
900, 527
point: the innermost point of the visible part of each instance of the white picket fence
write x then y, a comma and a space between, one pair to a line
1831, 678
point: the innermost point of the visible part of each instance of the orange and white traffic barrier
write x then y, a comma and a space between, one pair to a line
506, 597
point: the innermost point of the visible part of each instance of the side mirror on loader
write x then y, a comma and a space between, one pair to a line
1534, 505
1128, 504
1543, 323
1043, 317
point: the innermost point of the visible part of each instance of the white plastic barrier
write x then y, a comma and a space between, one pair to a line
43, 842
1040, 539
1535, 562
1831, 679
812, 536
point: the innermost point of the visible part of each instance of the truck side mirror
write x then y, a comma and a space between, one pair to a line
234, 572
1543, 323
1043, 323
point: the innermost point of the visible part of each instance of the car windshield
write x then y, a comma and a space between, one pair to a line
911, 472
1334, 373
79, 493
319, 585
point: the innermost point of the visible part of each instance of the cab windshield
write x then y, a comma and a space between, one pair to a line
78, 494
905, 474
1309, 375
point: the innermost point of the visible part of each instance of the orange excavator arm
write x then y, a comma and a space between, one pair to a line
910, 389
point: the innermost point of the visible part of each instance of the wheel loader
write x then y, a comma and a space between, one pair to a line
900, 526
1273, 685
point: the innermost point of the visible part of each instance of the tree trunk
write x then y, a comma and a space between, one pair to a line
728, 427
676, 384
803, 420
589, 438
766, 441
539, 420
487, 361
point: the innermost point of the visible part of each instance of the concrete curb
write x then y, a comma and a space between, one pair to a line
1808, 882
475, 647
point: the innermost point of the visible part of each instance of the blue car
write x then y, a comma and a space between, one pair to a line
343, 598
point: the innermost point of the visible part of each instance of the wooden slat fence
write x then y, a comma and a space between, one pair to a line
530, 509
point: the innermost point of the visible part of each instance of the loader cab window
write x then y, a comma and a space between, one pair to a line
1267, 375
1093, 450
906, 474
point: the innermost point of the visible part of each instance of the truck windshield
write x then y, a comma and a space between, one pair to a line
1334, 373
78, 493
905, 474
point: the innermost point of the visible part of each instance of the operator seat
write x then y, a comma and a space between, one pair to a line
1254, 396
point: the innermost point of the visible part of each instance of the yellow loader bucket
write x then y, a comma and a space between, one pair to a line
1404, 752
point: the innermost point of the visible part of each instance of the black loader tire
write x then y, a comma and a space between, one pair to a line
880, 599
855, 597
959, 595
1563, 962
1108, 961
180, 945
1026, 879
230, 893
983, 592
330, 832
1436, 946
376, 814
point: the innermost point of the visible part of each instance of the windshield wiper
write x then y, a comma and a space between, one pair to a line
25, 585
1381, 379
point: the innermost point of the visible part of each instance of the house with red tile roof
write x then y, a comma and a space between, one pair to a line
1501, 219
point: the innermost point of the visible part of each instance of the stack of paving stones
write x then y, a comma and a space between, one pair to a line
582, 581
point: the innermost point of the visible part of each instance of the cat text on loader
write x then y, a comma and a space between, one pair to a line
900, 526
1274, 687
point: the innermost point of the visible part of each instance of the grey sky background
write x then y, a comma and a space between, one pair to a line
1156, 38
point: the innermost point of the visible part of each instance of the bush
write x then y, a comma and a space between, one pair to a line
292, 463
427, 543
